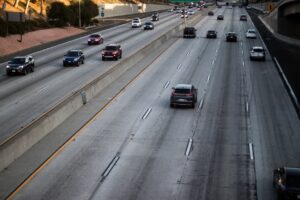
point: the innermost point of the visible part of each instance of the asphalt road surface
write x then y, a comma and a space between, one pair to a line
244, 125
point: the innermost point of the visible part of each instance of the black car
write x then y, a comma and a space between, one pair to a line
184, 95
95, 39
73, 57
148, 26
286, 182
210, 13
220, 17
20, 65
113, 51
231, 37
211, 34
155, 17
243, 18
189, 32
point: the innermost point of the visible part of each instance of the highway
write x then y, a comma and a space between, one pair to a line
244, 124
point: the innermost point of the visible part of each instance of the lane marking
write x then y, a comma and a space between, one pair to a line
146, 114
179, 66
110, 166
189, 147
201, 104
247, 107
167, 84
243, 63
251, 151
188, 53
208, 78
213, 62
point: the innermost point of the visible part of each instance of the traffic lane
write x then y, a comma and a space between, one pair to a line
118, 124
220, 158
275, 125
274, 121
58, 86
55, 52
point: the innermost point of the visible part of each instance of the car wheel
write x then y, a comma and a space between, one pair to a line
8, 73
24, 71
32, 69
103, 58
172, 105
193, 105
82, 62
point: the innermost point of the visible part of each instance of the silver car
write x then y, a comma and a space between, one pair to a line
251, 33
257, 53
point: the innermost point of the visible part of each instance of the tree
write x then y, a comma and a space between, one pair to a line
88, 10
59, 14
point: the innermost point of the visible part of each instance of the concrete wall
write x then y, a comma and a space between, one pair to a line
112, 10
31, 134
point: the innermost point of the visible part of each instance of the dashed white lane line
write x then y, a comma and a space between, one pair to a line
147, 112
251, 151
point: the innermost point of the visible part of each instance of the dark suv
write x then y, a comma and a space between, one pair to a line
113, 51
183, 94
20, 65
73, 57
189, 32
155, 17
231, 37
211, 34
286, 181
243, 18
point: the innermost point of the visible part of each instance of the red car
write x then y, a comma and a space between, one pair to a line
113, 51
95, 39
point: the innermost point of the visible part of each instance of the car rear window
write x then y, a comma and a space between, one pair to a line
73, 53
182, 91
111, 48
18, 61
95, 36
258, 50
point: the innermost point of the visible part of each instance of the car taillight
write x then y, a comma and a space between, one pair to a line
189, 94
115, 52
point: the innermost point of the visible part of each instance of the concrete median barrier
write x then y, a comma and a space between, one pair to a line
25, 138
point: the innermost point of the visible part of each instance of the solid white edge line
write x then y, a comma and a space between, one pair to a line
287, 83
110, 166
251, 151
189, 146
147, 113
201, 104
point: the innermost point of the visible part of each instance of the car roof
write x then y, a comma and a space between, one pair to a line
136, 18
211, 31
183, 86
75, 50
231, 33
257, 47
292, 171
19, 57
251, 29
112, 45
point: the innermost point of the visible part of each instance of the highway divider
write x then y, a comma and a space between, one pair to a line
29, 135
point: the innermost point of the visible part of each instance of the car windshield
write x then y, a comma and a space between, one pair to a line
110, 48
148, 23
251, 31
182, 90
72, 53
18, 61
293, 181
211, 31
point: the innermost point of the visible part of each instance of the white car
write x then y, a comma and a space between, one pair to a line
191, 12
136, 23
257, 53
251, 33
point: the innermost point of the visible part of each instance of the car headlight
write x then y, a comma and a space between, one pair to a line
7, 66
76, 59
20, 67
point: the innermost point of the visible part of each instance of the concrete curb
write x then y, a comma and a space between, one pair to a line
25, 138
